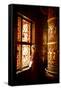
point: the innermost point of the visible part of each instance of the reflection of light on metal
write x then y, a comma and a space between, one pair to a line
51, 19
30, 64
51, 56
52, 47
51, 43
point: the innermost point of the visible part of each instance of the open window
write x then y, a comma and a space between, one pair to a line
25, 40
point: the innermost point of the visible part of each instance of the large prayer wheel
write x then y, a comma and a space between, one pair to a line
52, 44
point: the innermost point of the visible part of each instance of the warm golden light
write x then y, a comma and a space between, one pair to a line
25, 55
24, 59
26, 31
51, 43
19, 30
18, 56
52, 46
